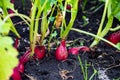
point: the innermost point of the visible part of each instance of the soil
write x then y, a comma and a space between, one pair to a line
103, 58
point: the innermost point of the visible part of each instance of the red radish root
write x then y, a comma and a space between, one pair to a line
61, 51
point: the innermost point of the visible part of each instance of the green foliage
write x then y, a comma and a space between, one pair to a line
8, 57
111, 9
115, 5
9, 4
8, 54
74, 10
84, 67
4, 28
4, 6
96, 36
49, 4
40, 8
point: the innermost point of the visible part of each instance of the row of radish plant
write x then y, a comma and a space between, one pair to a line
43, 10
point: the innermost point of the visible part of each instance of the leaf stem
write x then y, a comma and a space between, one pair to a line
114, 29
104, 32
93, 35
103, 18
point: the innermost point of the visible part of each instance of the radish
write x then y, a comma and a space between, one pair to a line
61, 51
20, 67
75, 50
16, 74
114, 37
39, 52
17, 70
26, 57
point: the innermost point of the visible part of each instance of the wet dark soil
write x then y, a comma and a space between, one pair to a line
49, 68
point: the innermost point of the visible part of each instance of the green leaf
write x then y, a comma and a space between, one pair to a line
8, 54
4, 28
6, 41
49, 4
6, 3
74, 11
7, 62
118, 16
116, 8
8, 58
54, 34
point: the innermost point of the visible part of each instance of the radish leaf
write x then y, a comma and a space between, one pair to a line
8, 58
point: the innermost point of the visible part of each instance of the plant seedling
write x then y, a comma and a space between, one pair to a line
39, 8
43, 7
65, 29
112, 9
84, 67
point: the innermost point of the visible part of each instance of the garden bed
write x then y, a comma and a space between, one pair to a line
59, 40
104, 59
